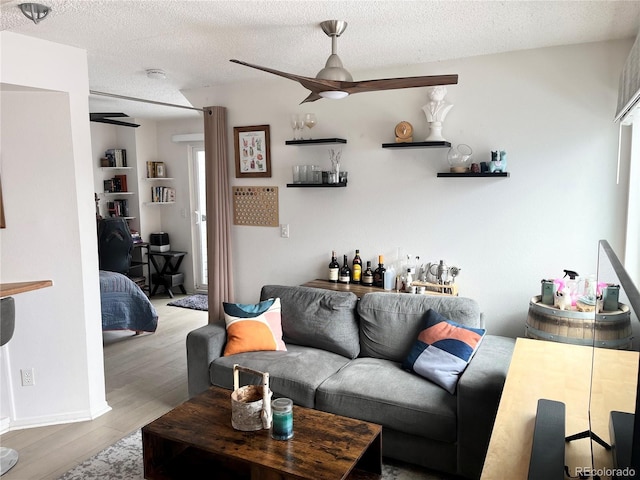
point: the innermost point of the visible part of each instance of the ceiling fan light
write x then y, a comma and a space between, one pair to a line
34, 11
333, 94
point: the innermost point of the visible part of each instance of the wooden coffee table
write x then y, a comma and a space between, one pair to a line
197, 437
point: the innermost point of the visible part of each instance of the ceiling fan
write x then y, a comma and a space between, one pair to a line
335, 82
108, 118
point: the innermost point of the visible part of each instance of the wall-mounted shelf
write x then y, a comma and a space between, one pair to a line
439, 144
159, 203
157, 179
471, 174
316, 141
116, 168
316, 185
117, 194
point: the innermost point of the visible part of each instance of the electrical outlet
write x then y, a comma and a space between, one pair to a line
28, 379
284, 230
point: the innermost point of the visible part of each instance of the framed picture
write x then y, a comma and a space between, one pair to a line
253, 154
160, 171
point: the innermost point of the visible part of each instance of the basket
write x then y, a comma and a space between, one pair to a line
251, 404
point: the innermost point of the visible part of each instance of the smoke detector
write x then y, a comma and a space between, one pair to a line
156, 74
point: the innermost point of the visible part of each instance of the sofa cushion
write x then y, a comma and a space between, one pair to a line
295, 373
318, 318
442, 350
390, 322
379, 391
251, 328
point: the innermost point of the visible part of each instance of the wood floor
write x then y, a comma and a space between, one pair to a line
146, 376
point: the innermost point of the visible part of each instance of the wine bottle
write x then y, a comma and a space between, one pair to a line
334, 268
357, 268
345, 272
378, 274
367, 275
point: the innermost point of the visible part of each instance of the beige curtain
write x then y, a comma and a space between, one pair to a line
219, 254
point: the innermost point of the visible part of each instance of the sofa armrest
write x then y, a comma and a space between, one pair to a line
479, 391
204, 345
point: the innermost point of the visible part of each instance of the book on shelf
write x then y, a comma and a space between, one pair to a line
163, 194
116, 184
122, 182
117, 157
156, 170
118, 208
135, 236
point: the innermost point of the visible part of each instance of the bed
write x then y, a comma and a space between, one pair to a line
124, 305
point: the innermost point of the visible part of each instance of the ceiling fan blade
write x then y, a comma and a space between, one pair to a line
290, 76
313, 84
316, 85
398, 83
108, 115
313, 96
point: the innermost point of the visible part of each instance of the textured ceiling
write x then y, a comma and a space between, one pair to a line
194, 40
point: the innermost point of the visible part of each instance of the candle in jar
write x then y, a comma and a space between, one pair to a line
282, 425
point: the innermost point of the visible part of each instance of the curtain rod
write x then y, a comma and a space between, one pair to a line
134, 99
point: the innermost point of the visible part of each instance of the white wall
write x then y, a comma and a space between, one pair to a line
51, 234
551, 109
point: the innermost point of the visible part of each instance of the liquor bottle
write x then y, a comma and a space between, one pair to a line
345, 272
367, 276
334, 268
378, 274
357, 268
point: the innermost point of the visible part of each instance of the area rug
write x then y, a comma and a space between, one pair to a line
123, 461
194, 302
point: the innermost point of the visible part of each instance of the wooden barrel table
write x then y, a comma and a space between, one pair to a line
606, 329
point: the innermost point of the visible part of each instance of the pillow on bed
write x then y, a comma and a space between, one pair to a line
253, 328
443, 350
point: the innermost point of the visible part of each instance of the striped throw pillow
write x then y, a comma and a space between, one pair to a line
443, 350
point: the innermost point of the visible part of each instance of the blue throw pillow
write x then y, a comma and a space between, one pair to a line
443, 350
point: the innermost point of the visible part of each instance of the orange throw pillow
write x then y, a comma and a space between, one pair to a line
253, 328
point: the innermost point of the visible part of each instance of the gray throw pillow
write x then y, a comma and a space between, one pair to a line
318, 318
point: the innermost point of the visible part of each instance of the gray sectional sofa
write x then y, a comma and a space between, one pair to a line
344, 356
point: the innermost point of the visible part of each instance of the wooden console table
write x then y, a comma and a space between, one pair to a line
560, 372
360, 289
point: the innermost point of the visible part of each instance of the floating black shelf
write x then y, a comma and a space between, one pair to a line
305, 185
471, 174
439, 144
315, 141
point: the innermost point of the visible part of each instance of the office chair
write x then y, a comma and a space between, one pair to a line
114, 245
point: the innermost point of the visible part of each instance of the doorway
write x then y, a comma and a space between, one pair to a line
199, 215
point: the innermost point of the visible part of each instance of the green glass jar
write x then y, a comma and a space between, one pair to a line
282, 424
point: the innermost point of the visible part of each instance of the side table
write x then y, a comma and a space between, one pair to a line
167, 275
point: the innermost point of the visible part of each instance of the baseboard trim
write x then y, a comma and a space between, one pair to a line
57, 419
4, 424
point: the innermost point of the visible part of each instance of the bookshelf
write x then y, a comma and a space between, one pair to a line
116, 186
162, 192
